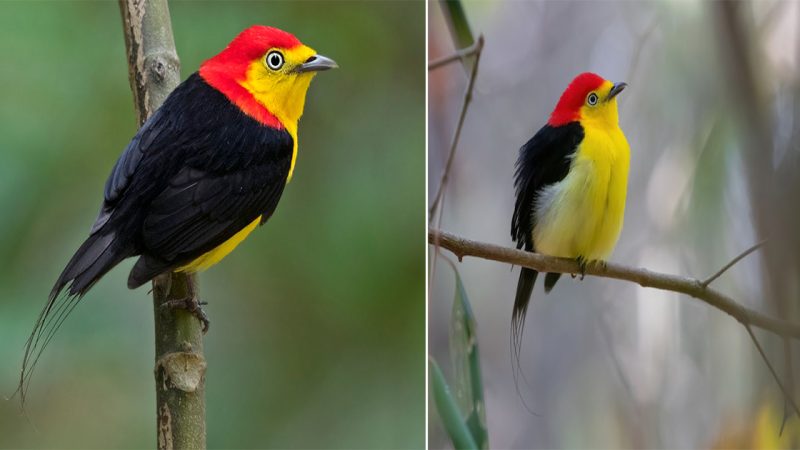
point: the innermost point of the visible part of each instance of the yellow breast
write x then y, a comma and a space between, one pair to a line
582, 215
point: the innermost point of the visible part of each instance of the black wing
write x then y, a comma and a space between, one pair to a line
200, 211
216, 170
543, 160
202, 208
197, 172
149, 157
158, 124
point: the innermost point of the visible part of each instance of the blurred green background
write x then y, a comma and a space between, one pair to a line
317, 336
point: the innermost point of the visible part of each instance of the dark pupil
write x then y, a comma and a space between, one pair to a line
275, 59
592, 99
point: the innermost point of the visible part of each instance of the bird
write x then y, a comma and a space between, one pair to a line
570, 183
207, 168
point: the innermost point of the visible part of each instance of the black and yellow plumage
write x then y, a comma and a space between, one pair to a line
571, 181
196, 173
200, 174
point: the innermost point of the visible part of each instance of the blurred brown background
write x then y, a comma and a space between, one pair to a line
712, 114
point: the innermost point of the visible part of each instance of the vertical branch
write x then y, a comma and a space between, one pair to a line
180, 366
153, 65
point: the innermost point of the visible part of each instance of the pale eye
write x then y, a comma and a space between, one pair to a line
591, 100
274, 60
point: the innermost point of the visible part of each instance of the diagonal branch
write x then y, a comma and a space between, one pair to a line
692, 287
772, 371
733, 262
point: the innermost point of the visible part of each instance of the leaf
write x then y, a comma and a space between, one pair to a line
448, 410
466, 364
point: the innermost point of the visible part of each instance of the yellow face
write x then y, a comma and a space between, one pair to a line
600, 105
278, 82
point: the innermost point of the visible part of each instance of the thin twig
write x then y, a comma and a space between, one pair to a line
690, 286
771, 369
457, 134
439, 199
719, 273
459, 55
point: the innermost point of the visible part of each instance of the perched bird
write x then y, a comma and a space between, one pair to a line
571, 180
203, 171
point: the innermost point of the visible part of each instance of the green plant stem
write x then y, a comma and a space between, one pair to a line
467, 362
454, 424
453, 11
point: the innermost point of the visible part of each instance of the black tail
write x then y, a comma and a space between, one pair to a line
145, 269
527, 278
550, 280
96, 256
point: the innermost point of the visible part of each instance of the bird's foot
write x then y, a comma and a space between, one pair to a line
193, 307
582, 263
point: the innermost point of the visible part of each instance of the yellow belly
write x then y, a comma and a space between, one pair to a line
582, 215
214, 256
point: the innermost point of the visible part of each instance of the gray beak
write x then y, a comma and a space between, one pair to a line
615, 90
317, 63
